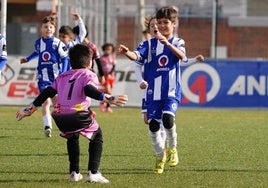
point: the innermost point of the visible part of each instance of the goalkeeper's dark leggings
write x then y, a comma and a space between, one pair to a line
95, 151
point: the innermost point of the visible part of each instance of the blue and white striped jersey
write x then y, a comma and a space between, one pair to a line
161, 68
3, 47
52, 56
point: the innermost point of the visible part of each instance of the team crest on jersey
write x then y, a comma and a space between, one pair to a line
46, 56
174, 106
163, 61
150, 92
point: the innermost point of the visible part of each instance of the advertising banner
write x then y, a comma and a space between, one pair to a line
226, 84
222, 83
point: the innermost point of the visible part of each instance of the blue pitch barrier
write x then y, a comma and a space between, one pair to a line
226, 83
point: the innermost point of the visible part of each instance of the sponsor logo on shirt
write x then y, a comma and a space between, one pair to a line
46, 56
162, 62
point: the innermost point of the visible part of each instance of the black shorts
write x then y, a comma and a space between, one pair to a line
72, 122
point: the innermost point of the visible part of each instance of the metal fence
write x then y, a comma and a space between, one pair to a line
102, 25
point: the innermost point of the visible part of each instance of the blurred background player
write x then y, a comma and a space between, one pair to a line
69, 38
164, 54
52, 61
95, 51
108, 60
3, 54
72, 114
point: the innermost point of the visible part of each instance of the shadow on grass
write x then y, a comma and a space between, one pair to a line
32, 154
146, 171
127, 171
216, 170
31, 181
32, 172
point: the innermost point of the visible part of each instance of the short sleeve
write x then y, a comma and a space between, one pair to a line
180, 44
142, 52
3, 45
62, 50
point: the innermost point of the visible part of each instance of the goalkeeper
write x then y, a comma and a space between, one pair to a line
72, 114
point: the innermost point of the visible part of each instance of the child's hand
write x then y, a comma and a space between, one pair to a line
200, 58
144, 85
118, 100
145, 119
160, 37
122, 49
24, 112
54, 14
75, 16
23, 60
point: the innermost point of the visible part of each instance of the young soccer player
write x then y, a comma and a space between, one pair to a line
72, 113
69, 38
52, 60
108, 65
3, 53
150, 23
95, 50
163, 54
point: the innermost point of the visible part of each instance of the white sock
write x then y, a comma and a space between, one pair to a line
47, 121
163, 134
157, 143
171, 137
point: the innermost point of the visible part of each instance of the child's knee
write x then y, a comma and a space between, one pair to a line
154, 125
168, 120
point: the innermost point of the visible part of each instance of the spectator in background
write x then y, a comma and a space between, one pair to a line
108, 65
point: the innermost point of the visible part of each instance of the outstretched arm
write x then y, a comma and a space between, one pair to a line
129, 54
49, 92
29, 58
192, 61
81, 25
94, 93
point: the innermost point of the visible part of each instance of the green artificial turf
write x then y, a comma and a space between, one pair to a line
217, 148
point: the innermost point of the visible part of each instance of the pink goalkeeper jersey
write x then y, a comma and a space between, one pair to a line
70, 88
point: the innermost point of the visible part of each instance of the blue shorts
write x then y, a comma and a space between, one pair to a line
156, 109
143, 105
43, 85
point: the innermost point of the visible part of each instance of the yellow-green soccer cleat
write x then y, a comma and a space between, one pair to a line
160, 164
172, 157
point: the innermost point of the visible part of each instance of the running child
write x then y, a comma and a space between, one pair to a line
150, 24
52, 61
3, 54
164, 54
108, 61
72, 114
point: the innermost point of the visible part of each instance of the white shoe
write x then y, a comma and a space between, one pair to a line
48, 132
75, 176
96, 178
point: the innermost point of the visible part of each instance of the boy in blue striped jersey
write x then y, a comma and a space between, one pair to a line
52, 61
164, 55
